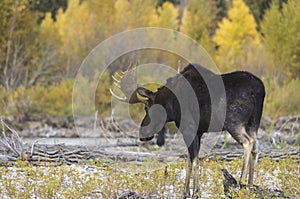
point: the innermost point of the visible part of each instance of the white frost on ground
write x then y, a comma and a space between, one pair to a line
19, 177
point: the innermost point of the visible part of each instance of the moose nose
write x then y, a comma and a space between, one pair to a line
156, 121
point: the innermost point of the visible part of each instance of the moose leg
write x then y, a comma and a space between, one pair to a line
253, 159
194, 153
188, 169
251, 169
196, 178
248, 146
246, 159
241, 136
193, 144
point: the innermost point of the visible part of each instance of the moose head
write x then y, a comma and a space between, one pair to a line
155, 109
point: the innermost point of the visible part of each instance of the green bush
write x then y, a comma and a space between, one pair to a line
55, 99
58, 99
282, 99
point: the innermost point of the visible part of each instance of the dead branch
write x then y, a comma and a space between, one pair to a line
12, 142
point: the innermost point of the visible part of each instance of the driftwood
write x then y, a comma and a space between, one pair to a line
232, 187
69, 154
271, 153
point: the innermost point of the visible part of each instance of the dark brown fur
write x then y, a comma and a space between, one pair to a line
244, 95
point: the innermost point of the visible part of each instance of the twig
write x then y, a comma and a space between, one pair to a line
14, 143
32, 146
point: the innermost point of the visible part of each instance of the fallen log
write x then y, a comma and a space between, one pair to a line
80, 154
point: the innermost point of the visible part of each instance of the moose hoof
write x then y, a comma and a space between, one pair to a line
186, 195
145, 139
195, 197
196, 194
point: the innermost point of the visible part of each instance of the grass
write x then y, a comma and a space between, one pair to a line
108, 179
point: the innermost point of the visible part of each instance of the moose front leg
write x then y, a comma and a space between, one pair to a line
196, 188
188, 170
192, 141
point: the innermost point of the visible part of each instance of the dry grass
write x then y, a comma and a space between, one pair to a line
107, 179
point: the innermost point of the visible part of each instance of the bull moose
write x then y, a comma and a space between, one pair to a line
237, 110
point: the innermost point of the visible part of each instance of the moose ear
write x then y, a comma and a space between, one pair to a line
145, 93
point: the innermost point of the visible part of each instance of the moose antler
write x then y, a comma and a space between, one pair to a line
127, 83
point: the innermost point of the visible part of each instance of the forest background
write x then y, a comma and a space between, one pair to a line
43, 43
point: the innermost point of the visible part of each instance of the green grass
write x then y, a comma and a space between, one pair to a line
107, 179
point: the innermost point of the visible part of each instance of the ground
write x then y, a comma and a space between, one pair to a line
151, 179
108, 167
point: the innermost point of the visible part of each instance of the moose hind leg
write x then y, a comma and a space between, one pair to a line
253, 157
248, 145
241, 136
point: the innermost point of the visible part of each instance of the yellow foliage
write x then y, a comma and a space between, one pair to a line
102, 14
197, 18
78, 32
133, 14
49, 33
73, 27
167, 16
236, 35
47, 24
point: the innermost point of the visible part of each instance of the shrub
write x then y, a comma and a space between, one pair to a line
282, 99
55, 99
